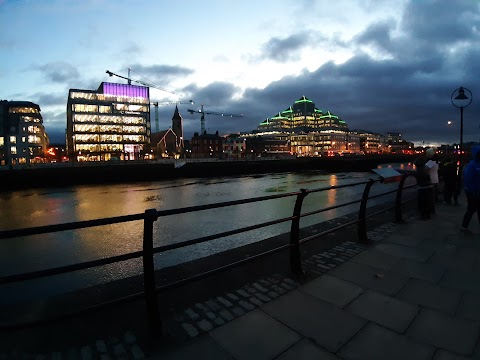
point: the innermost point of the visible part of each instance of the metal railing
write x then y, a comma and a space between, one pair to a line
150, 216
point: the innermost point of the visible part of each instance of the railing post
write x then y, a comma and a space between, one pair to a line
362, 225
153, 315
398, 200
295, 257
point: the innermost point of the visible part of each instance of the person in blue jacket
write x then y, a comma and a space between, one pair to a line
471, 185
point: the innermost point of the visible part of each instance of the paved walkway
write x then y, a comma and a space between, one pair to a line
413, 294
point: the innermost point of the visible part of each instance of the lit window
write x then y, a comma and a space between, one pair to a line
23, 138
2, 141
13, 139
13, 150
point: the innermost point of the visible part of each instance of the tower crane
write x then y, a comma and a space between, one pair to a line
156, 103
203, 112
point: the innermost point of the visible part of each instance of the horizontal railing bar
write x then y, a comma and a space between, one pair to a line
330, 208
221, 268
328, 231
337, 186
69, 268
37, 230
219, 235
379, 212
188, 209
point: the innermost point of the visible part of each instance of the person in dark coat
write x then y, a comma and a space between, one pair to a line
471, 186
450, 187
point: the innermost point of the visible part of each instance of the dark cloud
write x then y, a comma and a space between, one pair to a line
59, 72
442, 22
285, 49
403, 85
378, 35
161, 74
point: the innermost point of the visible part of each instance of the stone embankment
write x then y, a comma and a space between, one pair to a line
59, 175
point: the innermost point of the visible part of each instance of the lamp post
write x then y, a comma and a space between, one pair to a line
461, 101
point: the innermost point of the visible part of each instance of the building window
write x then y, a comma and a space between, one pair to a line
2, 141
13, 150
23, 139
13, 139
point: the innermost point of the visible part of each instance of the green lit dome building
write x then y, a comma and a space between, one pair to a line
303, 117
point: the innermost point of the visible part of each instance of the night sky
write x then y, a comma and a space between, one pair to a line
384, 66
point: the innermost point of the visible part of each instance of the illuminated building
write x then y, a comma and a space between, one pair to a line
23, 139
324, 143
303, 116
370, 142
111, 123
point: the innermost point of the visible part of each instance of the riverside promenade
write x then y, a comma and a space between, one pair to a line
413, 292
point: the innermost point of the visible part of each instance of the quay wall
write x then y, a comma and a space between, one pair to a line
61, 175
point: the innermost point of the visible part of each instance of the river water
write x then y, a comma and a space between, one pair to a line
38, 207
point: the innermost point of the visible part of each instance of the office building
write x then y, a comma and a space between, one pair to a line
110, 123
23, 139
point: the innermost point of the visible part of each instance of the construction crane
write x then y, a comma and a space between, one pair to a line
155, 104
203, 112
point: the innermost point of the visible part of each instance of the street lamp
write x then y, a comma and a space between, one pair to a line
461, 101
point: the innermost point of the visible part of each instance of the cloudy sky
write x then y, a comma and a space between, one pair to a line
384, 66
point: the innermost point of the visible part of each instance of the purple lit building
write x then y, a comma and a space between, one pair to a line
111, 123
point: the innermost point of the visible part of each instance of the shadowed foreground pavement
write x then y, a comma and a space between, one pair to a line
413, 294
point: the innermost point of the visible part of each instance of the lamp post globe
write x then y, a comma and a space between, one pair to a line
461, 98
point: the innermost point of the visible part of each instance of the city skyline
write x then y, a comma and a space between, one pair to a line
381, 66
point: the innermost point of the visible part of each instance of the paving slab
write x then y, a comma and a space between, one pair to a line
407, 252
469, 307
328, 325
417, 270
384, 310
370, 277
255, 336
376, 258
430, 295
204, 345
447, 355
454, 260
332, 289
306, 350
445, 332
375, 342
461, 280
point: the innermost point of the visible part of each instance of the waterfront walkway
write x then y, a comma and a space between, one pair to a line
412, 293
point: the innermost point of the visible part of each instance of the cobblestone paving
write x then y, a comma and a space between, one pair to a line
216, 311
125, 347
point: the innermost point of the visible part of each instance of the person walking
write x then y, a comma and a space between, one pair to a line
471, 186
424, 193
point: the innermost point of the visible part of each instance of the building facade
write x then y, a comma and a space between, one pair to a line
207, 146
23, 139
324, 143
110, 123
303, 116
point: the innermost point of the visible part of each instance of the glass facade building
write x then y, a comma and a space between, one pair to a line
111, 123
23, 139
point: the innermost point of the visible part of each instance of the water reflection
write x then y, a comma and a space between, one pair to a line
34, 208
